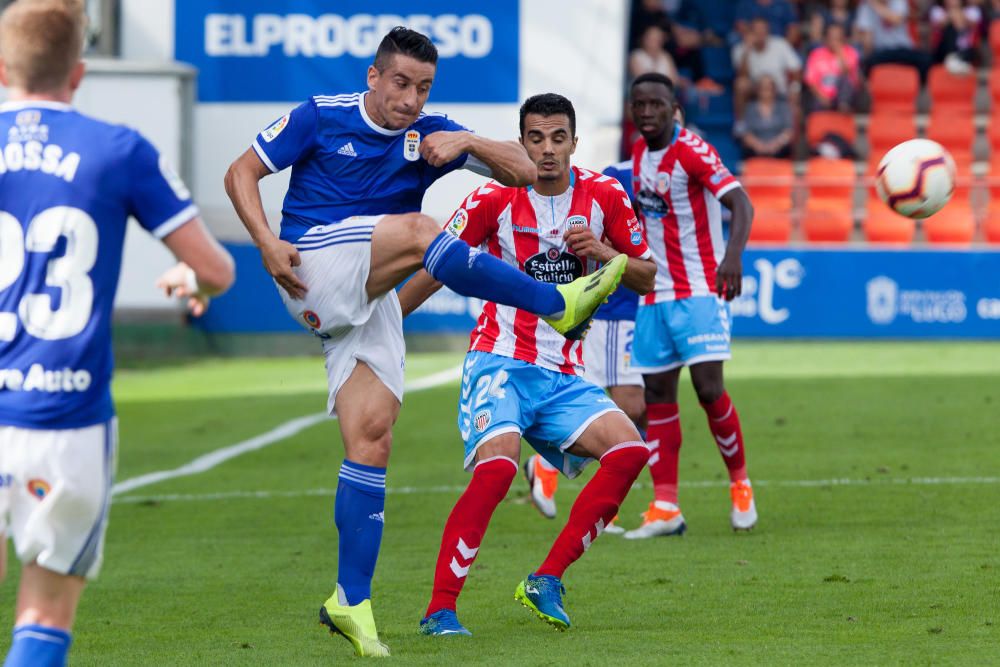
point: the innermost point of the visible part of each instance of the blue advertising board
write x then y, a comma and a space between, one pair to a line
787, 292
289, 50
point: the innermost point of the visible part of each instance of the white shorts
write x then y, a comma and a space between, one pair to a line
607, 354
55, 491
336, 260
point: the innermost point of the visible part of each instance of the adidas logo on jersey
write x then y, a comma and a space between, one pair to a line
347, 149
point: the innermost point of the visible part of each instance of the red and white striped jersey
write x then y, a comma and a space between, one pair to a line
525, 229
677, 191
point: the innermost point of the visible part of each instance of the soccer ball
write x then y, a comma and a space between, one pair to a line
916, 178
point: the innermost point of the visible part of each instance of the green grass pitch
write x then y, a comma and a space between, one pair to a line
877, 476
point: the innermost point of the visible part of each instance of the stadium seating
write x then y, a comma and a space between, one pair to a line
769, 183
995, 40
952, 225
770, 226
823, 225
995, 89
830, 181
894, 88
991, 226
955, 130
821, 123
883, 225
954, 92
885, 130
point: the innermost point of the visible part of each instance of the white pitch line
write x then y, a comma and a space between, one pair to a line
419, 490
281, 432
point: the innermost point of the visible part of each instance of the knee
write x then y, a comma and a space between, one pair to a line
422, 228
636, 411
709, 392
376, 442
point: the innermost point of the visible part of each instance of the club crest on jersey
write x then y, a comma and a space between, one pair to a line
275, 129
482, 420
311, 319
458, 222
636, 238
662, 182
38, 488
411, 145
576, 221
719, 176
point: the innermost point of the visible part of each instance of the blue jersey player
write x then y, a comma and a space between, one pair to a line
607, 351
350, 232
68, 184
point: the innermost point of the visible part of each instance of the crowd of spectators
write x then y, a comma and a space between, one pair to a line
789, 58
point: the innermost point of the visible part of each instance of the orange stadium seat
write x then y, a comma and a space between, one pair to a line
883, 225
954, 130
993, 127
893, 88
885, 130
995, 88
956, 92
830, 180
821, 123
991, 225
771, 226
769, 183
821, 225
995, 40
953, 224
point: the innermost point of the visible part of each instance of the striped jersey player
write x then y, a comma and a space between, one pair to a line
521, 378
680, 184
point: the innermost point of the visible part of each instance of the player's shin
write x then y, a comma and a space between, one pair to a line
38, 646
360, 516
466, 526
471, 272
596, 505
724, 423
664, 438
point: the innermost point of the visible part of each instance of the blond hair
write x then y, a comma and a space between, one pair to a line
41, 41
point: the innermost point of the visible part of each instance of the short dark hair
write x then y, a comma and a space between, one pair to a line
408, 43
549, 104
655, 77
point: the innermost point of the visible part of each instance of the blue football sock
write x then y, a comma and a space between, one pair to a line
38, 646
471, 272
359, 515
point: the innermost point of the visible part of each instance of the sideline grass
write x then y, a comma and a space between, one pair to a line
882, 572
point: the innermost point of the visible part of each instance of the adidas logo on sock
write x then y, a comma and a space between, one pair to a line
347, 149
377, 516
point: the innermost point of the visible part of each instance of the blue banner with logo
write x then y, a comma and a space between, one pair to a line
795, 293
289, 50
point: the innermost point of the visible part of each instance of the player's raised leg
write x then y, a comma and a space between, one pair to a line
614, 441
495, 469
401, 244
664, 437
724, 422
367, 409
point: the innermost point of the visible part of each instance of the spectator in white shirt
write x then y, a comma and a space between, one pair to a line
762, 54
885, 36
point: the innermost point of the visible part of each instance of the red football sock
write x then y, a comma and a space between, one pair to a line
596, 505
664, 437
466, 525
725, 426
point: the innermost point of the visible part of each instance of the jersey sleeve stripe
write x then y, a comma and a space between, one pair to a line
726, 188
175, 221
264, 158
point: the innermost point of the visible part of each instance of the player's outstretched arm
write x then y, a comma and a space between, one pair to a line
729, 277
243, 187
508, 161
417, 289
205, 268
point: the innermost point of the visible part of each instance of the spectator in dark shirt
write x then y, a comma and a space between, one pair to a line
834, 11
955, 34
779, 14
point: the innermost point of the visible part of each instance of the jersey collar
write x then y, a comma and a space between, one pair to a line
35, 104
372, 124
572, 181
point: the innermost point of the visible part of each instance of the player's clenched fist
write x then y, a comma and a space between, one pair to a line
280, 257
729, 278
583, 242
440, 148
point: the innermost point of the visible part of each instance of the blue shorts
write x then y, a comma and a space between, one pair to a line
678, 333
551, 410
